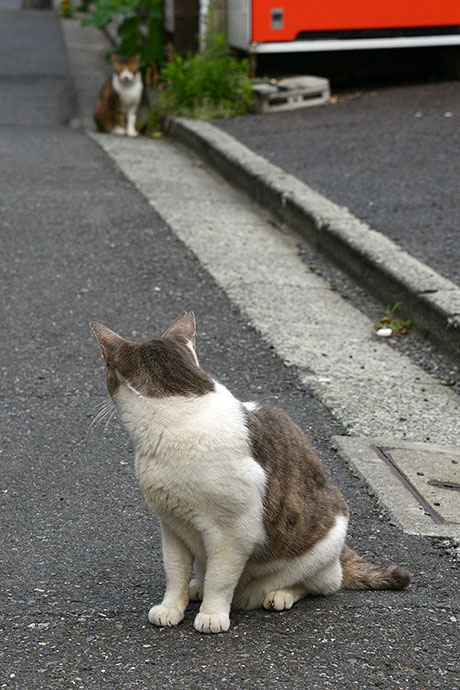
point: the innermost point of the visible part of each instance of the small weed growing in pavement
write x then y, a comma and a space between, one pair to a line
389, 320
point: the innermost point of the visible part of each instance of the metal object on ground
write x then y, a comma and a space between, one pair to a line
290, 93
419, 483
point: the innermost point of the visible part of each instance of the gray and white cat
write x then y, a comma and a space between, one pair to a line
242, 498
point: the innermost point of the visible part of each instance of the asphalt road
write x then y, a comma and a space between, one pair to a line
389, 155
81, 559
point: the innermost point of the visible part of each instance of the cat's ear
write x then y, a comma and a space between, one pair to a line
184, 326
108, 340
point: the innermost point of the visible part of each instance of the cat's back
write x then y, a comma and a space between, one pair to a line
300, 505
280, 446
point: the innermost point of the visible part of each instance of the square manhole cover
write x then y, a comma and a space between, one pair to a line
419, 483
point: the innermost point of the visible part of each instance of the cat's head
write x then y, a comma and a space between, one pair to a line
125, 69
154, 368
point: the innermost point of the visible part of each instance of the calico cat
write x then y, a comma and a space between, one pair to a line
119, 99
242, 498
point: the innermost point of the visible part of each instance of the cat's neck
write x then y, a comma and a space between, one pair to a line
171, 411
128, 90
178, 419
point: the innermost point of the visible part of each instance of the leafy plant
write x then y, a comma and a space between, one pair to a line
389, 320
85, 5
140, 32
67, 8
213, 84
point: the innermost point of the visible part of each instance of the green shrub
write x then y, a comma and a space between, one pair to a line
214, 84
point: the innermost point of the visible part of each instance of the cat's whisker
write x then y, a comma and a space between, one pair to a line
91, 433
109, 420
104, 415
100, 405
101, 414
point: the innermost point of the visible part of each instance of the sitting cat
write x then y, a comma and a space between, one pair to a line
241, 496
119, 99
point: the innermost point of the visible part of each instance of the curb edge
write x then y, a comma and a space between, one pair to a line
373, 260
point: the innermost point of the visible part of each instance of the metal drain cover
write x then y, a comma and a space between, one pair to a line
419, 483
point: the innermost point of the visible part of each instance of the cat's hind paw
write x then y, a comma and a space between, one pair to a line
279, 600
165, 615
212, 622
195, 590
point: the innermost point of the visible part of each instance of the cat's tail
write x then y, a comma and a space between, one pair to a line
360, 574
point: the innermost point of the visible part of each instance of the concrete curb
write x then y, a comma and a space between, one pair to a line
374, 261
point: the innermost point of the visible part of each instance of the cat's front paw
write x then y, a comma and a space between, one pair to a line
195, 590
212, 622
132, 133
279, 599
165, 615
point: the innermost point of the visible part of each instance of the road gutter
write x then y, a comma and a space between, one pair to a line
374, 261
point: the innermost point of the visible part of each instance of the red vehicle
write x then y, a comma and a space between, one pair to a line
264, 26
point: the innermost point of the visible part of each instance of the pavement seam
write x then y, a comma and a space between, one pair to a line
373, 260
